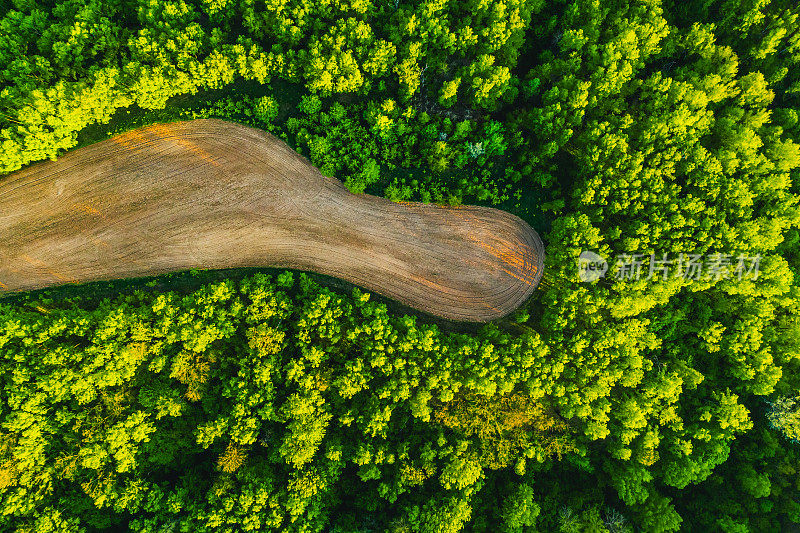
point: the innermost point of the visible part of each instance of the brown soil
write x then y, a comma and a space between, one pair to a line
213, 194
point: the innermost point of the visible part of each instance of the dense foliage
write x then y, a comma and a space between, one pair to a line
267, 403
650, 127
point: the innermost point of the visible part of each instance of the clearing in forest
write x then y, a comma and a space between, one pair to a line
213, 194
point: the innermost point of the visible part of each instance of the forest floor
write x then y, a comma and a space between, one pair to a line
213, 194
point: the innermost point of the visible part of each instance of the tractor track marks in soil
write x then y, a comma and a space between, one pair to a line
214, 194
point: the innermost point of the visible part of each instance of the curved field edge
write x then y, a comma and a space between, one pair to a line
214, 194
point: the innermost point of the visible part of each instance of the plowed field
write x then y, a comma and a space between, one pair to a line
213, 194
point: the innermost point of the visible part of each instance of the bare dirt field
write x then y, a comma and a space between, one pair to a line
213, 194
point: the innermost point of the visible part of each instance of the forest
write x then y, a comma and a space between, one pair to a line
282, 401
